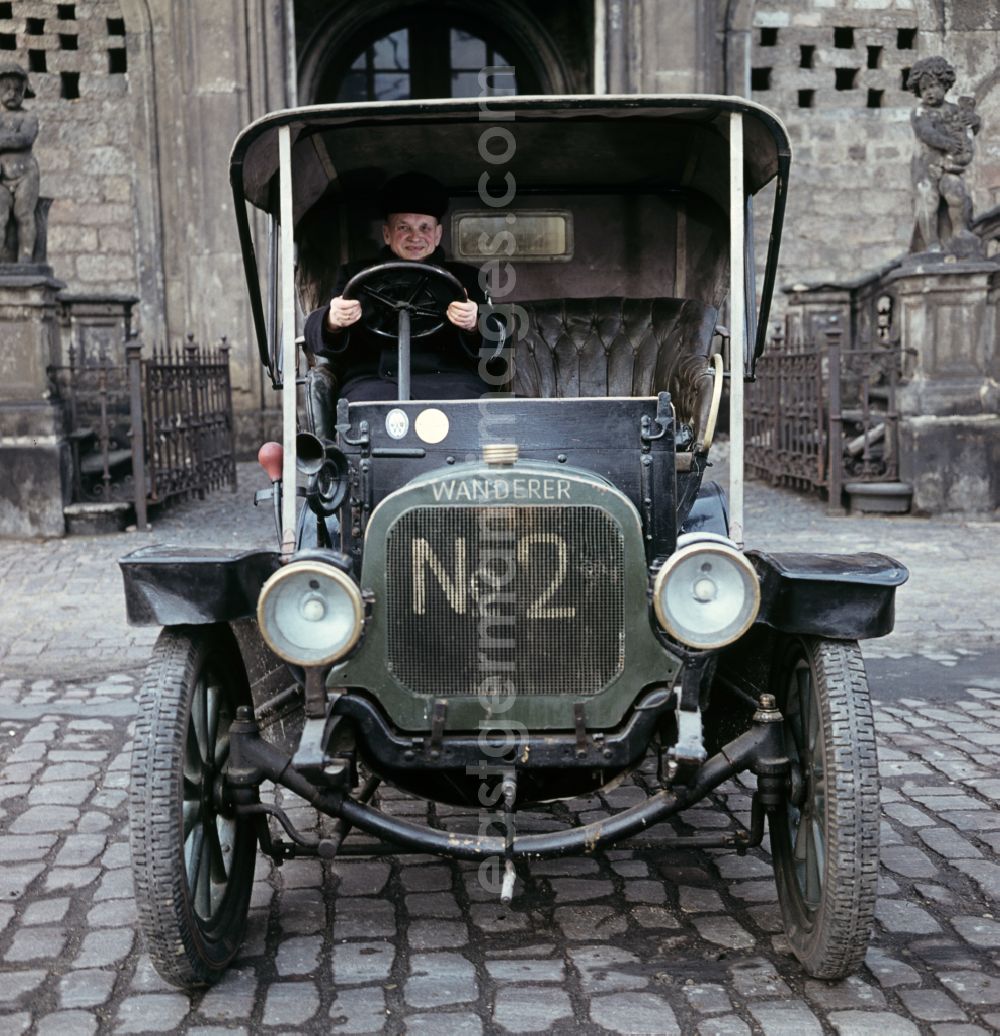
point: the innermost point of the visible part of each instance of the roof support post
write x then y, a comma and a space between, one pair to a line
288, 357
737, 321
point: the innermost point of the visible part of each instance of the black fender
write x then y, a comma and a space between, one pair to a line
843, 596
174, 586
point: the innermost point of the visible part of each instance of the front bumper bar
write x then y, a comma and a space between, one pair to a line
760, 749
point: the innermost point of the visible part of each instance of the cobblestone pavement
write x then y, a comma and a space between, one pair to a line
636, 940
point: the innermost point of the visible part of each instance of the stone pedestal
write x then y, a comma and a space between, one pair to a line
948, 403
34, 455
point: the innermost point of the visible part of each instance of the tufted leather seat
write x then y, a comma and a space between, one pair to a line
619, 347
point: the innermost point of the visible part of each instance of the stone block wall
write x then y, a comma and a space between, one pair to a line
835, 71
77, 59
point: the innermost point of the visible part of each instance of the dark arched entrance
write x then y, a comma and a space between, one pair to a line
396, 49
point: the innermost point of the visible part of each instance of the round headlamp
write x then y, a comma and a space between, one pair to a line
707, 593
310, 613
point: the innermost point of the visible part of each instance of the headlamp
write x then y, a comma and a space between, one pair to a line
707, 593
310, 613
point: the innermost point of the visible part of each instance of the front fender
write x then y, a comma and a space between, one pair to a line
172, 586
844, 596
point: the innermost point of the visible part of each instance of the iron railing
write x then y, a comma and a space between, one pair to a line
820, 416
151, 429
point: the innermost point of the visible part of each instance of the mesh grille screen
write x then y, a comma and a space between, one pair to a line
524, 600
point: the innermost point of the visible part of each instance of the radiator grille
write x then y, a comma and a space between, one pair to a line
505, 599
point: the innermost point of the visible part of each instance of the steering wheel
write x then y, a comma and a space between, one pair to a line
391, 292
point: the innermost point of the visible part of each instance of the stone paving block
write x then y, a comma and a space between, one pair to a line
493, 918
972, 987
734, 867
707, 997
366, 878
79, 850
852, 992
436, 935
645, 892
973, 820
653, 917
440, 979
571, 890
6, 915
634, 1012
113, 914
15, 880
931, 1005
537, 1009
607, 969
88, 988
984, 873
67, 1023
728, 1025
290, 1003
457, 1023
355, 962
61, 793
723, 931
45, 911
432, 904
948, 843
521, 971
980, 931
361, 1011
695, 900
15, 1024
104, 948
71, 877
426, 879
785, 1019
35, 944
303, 911
152, 1012
864, 1023
899, 916
233, 997
757, 977
15, 985
590, 922
15, 848
298, 955
908, 861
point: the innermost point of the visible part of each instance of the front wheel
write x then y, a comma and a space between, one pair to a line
192, 856
824, 840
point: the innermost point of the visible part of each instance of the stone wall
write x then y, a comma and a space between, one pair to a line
77, 60
834, 70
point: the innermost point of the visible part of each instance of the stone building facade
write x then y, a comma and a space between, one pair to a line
139, 102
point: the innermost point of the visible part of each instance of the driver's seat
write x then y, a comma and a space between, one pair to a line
620, 347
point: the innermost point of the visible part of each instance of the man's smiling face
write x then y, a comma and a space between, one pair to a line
411, 235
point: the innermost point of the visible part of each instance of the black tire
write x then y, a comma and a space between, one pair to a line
192, 857
824, 841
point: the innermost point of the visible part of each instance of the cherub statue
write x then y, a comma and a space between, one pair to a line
943, 150
18, 167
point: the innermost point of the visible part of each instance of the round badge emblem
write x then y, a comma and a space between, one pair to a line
431, 425
397, 424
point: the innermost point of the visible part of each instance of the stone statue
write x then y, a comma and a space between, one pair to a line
18, 167
943, 150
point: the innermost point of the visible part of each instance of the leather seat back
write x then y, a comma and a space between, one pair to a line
618, 347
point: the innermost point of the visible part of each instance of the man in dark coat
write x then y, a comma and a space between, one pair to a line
360, 365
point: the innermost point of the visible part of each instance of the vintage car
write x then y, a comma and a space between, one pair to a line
499, 602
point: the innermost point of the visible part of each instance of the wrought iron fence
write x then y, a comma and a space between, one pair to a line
821, 415
150, 429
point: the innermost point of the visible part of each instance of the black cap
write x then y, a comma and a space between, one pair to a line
413, 192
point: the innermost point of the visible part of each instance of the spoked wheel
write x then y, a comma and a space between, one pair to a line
824, 841
192, 856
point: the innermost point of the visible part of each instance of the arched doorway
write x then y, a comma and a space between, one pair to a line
392, 50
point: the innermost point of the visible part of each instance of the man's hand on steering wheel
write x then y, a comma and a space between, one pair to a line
342, 313
464, 315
